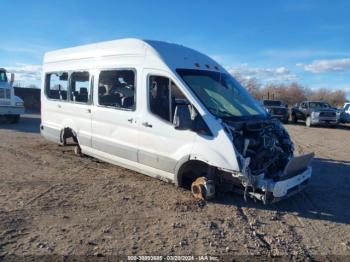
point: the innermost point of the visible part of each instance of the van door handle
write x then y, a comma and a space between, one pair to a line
59, 106
88, 110
146, 124
130, 120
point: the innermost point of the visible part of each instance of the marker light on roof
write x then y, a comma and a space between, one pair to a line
207, 66
197, 65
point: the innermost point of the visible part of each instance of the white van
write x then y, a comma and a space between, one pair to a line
11, 106
169, 112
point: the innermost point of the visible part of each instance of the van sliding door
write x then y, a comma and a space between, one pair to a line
114, 125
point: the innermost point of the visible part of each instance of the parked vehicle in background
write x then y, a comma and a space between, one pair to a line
315, 113
345, 113
276, 109
169, 112
11, 106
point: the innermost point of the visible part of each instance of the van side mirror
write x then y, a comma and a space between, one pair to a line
12, 78
183, 117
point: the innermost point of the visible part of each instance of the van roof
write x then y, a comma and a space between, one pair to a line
173, 55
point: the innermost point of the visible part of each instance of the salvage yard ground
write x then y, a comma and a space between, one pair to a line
53, 202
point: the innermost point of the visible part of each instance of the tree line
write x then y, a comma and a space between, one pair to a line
292, 93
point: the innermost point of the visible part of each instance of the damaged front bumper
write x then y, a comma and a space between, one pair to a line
272, 192
292, 180
286, 188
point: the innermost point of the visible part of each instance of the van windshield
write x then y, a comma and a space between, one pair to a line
3, 77
222, 95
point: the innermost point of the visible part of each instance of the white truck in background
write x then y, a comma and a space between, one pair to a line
11, 106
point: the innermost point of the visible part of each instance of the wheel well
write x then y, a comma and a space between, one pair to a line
190, 171
67, 133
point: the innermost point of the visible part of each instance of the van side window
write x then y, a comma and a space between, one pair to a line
56, 85
116, 88
79, 87
164, 95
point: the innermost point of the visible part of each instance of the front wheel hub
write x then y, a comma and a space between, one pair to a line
203, 189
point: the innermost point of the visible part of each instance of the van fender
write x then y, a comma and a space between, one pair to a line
178, 166
217, 159
182, 163
218, 162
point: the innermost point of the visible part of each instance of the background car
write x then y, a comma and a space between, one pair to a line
315, 113
345, 113
276, 109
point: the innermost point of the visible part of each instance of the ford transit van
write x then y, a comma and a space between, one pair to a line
169, 112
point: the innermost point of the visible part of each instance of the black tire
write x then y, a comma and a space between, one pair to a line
294, 119
13, 119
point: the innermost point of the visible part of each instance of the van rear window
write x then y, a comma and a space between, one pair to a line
56, 85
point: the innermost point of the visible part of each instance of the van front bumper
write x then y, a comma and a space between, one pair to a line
288, 187
274, 191
12, 110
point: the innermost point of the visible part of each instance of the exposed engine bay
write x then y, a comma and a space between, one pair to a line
266, 143
269, 170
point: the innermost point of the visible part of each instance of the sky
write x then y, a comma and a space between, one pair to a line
274, 41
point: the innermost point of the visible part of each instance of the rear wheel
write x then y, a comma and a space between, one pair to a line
308, 122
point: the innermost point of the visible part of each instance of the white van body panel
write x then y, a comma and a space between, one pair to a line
135, 137
110, 130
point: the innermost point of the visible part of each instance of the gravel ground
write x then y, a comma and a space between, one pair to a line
53, 202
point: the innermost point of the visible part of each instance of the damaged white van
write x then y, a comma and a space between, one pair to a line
170, 112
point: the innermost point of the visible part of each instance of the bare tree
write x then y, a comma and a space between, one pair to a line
291, 93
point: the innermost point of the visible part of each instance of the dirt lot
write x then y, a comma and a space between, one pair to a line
53, 202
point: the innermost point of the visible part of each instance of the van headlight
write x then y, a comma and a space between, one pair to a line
19, 104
